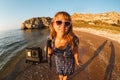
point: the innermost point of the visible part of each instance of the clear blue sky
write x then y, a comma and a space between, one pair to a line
14, 12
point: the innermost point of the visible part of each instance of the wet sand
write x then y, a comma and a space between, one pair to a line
99, 57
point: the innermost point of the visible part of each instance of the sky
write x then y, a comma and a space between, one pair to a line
14, 12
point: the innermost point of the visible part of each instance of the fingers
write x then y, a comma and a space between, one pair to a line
79, 63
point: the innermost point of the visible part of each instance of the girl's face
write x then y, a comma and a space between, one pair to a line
61, 25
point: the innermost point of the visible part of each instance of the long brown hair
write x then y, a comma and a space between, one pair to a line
70, 36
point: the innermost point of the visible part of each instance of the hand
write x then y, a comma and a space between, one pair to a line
78, 63
50, 51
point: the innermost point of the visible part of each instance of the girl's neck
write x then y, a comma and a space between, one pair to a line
59, 37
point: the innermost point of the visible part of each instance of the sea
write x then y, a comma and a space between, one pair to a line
16, 40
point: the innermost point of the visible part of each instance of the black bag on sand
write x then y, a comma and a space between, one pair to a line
34, 55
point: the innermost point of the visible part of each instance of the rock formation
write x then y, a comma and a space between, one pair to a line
36, 23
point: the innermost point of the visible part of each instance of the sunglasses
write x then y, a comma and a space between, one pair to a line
66, 23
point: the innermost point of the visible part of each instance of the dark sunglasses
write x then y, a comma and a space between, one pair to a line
66, 23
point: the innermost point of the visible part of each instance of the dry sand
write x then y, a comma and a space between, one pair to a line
100, 53
115, 37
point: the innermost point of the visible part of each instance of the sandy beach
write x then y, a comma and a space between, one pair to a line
99, 53
112, 36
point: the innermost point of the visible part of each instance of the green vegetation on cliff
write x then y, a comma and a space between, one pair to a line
98, 25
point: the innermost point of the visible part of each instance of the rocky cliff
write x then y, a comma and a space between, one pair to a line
36, 23
108, 17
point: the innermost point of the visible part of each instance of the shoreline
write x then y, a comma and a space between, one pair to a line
11, 64
112, 36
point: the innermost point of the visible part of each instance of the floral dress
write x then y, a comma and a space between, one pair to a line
64, 60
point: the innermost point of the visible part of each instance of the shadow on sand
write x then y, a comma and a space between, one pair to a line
96, 53
109, 69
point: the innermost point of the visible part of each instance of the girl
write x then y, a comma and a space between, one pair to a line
64, 44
